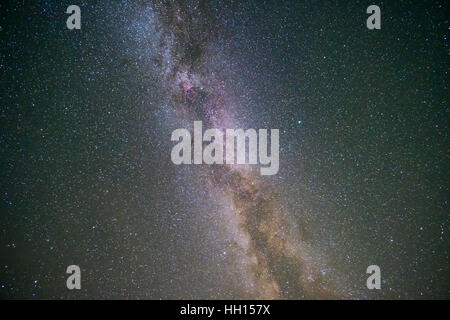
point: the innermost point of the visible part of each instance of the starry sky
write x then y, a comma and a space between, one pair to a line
86, 177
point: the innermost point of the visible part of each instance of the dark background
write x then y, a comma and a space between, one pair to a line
85, 175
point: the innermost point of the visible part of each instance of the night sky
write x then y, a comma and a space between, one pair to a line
86, 176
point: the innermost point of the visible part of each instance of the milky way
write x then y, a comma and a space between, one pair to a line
85, 146
266, 242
